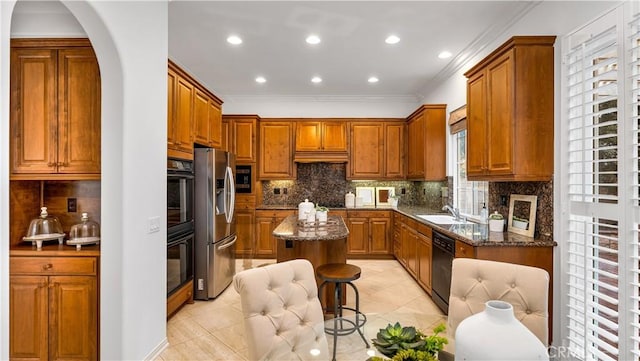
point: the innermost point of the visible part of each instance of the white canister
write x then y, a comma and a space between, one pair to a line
304, 209
349, 200
359, 202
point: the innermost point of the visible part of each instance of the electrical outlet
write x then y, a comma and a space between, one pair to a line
284, 190
503, 200
72, 205
276, 190
403, 191
153, 224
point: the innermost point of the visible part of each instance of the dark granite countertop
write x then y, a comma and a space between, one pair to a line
471, 233
475, 234
292, 229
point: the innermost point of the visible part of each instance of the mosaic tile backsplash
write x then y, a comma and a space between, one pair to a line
326, 184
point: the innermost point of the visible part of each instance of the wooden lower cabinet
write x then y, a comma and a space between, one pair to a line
266, 222
370, 234
53, 309
245, 220
464, 250
409, 238
424, 256
413, 248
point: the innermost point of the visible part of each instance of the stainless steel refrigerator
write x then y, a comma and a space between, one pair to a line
215, 227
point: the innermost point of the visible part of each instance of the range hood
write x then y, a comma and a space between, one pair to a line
321, 157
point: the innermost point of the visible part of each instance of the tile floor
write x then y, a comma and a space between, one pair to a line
213, 330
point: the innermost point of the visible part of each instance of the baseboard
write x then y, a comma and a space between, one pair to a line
155, 353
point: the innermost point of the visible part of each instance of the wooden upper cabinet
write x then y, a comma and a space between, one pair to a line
55, 110
200, 125
367, 151
215, 124
276, 150
321, 140
510, 112
426, 154
377, 150
242, 137
194, 115
224, 135
394, 144
207, 119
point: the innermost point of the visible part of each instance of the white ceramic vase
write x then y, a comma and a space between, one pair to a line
495, 334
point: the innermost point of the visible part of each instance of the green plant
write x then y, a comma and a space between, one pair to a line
496, 215
520, 219
322, 209
394, 340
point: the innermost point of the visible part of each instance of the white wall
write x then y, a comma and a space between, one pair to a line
322, 106
6, 8
130, 40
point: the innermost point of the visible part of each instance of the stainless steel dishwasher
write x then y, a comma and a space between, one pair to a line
443, 254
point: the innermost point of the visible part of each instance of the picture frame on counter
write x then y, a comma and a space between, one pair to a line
367, 194
384, 196
522, 214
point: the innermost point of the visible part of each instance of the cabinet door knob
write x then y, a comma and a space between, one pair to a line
47, 266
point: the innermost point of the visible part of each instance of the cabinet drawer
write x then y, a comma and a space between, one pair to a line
464, 250
53, 265
274, 214
424, 229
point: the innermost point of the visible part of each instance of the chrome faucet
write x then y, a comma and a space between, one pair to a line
454, 212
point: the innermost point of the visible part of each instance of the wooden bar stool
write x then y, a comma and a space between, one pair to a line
339, 274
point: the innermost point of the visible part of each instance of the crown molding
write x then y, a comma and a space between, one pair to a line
410, 99
477, 47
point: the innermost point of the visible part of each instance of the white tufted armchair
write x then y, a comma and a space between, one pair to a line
283, 318
474, 282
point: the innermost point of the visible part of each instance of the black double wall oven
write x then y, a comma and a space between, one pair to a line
180, 225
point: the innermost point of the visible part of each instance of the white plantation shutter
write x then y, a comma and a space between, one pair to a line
599, 225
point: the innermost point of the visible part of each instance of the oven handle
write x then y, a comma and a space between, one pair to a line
180, 175
180, 240
228, 244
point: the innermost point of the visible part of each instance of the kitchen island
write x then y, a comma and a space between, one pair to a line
318, 243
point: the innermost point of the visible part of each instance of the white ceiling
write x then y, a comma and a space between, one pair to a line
352, 47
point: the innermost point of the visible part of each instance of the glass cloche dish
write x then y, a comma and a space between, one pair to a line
44, 228
85, 232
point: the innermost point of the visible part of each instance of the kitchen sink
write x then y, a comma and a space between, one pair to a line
441, 219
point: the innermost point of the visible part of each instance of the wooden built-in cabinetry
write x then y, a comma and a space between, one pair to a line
413, 248
510, 112
55, 109
426, 135
276, 150
321, 141
370, 234
377, 150
245, 225
266, 222
53, 304
242, 135
424, 257
194, 115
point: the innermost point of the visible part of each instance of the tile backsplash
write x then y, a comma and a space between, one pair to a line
326, 184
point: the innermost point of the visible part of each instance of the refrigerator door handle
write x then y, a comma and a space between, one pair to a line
228, 244
229, 199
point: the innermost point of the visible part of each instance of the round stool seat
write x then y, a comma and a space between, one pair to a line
338, 272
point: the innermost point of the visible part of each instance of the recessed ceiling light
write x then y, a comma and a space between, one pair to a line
445, 54
261, 80
316, 79
372, 79
392, 39
313, 39
234, 39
